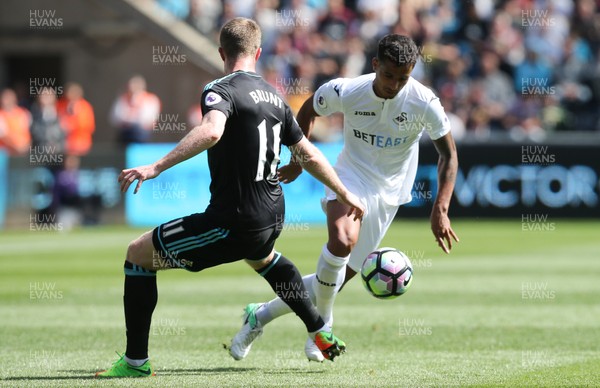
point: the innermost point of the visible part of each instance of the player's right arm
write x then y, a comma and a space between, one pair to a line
313, 161
199, 139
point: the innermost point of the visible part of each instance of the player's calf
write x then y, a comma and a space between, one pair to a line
285, 280
328, 280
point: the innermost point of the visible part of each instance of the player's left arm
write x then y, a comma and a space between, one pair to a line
313, 161
327, 101
447, 169
199, 139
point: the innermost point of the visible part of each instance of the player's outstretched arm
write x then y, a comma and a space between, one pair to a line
199, 139
447, 169
306, 119
313, 161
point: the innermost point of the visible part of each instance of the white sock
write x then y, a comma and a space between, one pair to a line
276, 307
331, 272
135, 362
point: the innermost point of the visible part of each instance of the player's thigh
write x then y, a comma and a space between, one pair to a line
342, 230
374, 226
193, 243
261, 246
200, 241
141, 252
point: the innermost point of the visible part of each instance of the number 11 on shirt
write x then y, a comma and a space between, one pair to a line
262, 150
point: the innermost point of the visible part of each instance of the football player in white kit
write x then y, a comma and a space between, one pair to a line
385, 114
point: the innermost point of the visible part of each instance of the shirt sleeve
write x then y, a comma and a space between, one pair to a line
437, 123
328, 97
291, 133
216, 98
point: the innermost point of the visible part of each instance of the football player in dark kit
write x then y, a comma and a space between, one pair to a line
243, 127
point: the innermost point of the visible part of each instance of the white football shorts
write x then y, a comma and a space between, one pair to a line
377, 220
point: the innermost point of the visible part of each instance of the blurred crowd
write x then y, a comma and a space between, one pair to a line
55, 131
526, 67
522, 67
60, 121
54, 125
60, 125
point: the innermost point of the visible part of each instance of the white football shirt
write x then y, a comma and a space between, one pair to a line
381, 136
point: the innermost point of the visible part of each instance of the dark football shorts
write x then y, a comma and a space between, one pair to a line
197, 241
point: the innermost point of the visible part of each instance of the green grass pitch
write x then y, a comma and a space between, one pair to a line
510, 306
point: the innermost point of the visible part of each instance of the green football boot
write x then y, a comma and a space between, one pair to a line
121, 368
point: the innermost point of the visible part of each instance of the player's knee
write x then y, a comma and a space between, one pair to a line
140, 251
258, 264
137, 251
262, 263
133, 252
341, 244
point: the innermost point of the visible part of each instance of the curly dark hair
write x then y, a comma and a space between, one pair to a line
398, 49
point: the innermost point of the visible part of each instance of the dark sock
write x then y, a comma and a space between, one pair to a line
139, 300
286, 281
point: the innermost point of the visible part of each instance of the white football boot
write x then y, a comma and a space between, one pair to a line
251, 330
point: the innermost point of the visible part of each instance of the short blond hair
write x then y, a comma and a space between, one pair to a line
240, 37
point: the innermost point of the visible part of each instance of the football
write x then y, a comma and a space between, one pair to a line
387, 273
